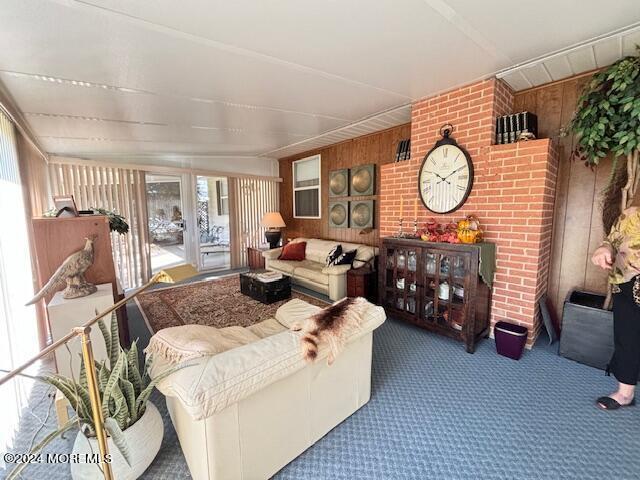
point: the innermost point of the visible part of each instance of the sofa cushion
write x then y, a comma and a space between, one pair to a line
266, 328
295, 311
285, 266
293, 251
311, 271
317, 250
176, 344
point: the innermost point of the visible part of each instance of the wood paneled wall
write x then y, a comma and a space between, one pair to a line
577, 221
378, 148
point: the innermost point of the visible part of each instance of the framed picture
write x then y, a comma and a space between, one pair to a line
361, 214
363, 180
338, 214
66, 206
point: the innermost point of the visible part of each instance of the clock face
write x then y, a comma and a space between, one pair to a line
445, 178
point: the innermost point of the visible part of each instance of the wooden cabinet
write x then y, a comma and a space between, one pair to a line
255, 258
435, 286
361, 282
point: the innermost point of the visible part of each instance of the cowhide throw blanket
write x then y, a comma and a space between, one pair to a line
330, 325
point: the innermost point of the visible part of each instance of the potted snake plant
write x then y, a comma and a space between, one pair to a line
134, 425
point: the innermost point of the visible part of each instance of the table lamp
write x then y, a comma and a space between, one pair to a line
273, 222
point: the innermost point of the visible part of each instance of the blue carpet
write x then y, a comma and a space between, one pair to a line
437, 412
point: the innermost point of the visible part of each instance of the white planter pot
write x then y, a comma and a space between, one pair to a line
143, 438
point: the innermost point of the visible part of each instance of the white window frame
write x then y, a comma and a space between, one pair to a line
220, 198
318, 187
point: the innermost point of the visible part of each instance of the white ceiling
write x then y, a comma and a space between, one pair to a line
160, 78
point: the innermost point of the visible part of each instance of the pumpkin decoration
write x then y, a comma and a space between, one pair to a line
465, 231
469, 230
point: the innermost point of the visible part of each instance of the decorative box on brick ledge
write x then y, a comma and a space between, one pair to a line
513, 193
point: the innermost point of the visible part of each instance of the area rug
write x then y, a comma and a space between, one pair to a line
216, 303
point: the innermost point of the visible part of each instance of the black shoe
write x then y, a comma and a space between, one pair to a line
608, 403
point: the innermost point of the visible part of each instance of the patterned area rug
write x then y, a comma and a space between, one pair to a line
216, 303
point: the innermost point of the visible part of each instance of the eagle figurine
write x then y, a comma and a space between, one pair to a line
71, 271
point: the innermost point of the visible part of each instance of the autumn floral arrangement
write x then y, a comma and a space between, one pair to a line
466, 230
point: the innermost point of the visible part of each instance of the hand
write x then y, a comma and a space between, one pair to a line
441, 178
456, 170
603, 257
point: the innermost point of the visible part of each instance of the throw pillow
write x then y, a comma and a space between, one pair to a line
293, 251
334, 254
346, 258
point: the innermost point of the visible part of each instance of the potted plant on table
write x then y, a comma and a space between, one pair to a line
134, 425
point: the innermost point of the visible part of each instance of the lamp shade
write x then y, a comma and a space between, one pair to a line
272, 220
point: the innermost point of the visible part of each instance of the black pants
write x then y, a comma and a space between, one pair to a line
625, 363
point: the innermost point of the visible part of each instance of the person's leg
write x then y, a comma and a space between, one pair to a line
625, 363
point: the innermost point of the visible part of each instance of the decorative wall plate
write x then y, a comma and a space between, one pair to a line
338, 214
362, 214
363, 180
339, 183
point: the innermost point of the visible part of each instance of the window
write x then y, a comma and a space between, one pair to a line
223, 197
306, 187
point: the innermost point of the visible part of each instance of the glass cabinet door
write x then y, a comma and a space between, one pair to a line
401, 279
445, 279
395, 260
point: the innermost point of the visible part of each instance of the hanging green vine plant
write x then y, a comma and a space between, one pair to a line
607, 121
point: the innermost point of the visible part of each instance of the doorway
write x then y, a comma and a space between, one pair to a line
212, 216
166, 223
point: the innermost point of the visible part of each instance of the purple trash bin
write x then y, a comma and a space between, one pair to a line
510, 339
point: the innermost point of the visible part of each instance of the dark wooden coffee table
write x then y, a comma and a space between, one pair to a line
265, 292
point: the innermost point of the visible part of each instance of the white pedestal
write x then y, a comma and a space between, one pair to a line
67, 314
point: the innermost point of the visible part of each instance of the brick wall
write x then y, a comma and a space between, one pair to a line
513, 192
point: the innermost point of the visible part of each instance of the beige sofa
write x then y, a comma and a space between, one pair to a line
313, 272
247, 412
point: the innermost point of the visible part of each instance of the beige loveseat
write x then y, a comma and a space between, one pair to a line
247, 412
313, 273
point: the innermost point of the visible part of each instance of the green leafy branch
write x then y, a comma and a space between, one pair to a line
607, 117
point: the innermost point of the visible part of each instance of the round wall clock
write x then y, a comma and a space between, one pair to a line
445, 177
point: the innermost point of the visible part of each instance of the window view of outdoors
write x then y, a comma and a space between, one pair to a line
213, 222
166, 226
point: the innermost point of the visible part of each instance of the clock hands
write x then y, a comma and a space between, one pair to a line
445, 178
441, 178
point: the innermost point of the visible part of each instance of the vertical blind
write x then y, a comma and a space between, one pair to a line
18, 324
118, 189
250, 199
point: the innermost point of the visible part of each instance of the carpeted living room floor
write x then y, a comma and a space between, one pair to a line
437, 412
